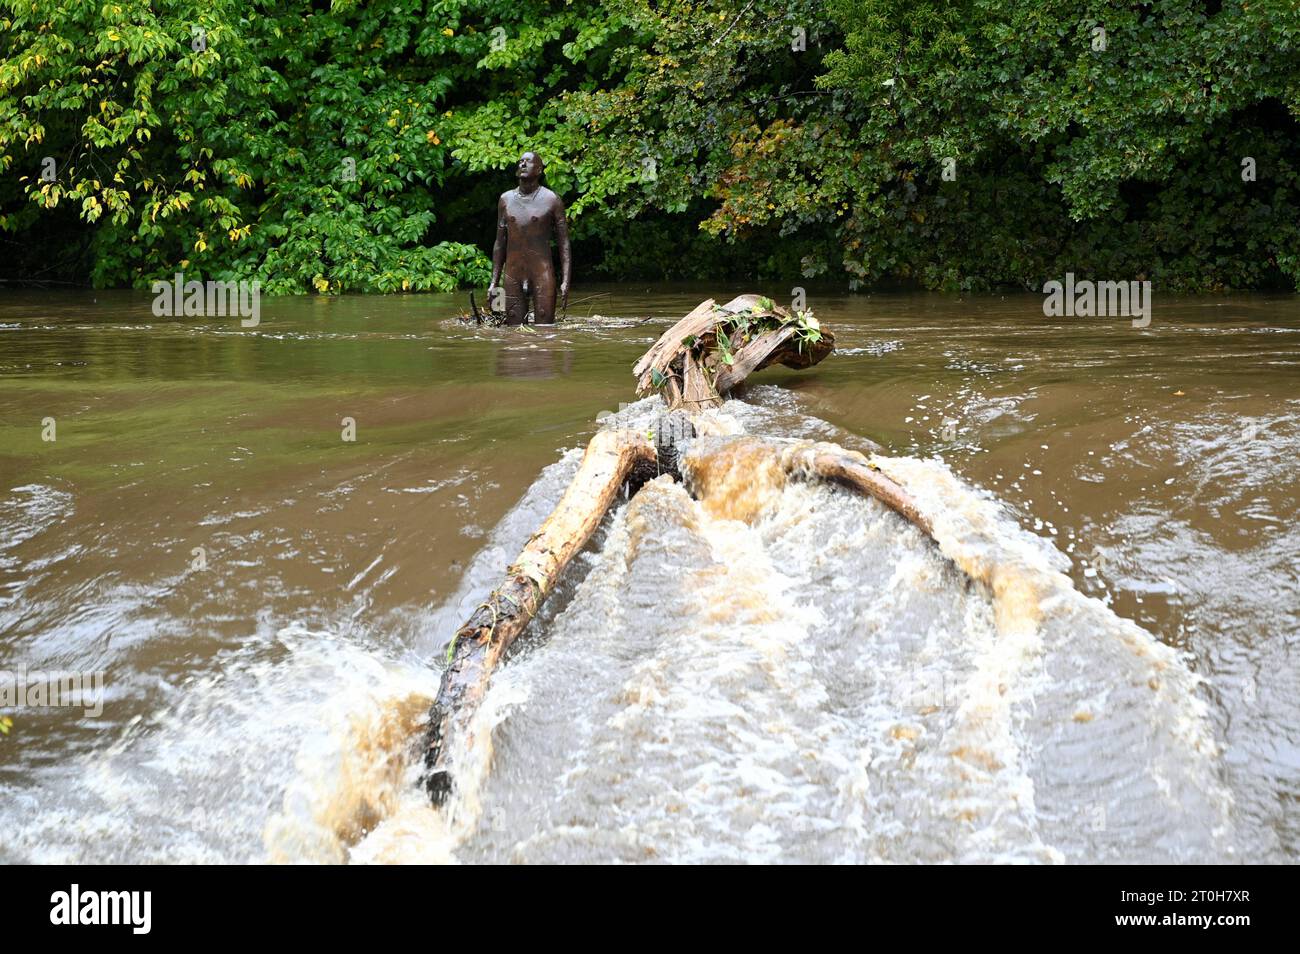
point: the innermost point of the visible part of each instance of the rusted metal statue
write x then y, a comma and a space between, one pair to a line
522, 267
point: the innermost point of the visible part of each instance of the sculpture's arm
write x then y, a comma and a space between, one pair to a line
498, 252
566, 256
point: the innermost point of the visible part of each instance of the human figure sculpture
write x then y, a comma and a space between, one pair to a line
522, 266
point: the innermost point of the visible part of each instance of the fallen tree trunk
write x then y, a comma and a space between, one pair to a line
772, 347
836, 464
705, 355
612, 458
718, 465
663, 351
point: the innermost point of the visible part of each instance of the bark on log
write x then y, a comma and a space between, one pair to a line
772, 347
479, 645
800, 460
663, 351
696, 378
850, 469
698, 393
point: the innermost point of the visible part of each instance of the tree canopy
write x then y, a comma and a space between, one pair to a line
353, 146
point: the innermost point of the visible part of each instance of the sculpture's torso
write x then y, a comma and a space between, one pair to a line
529, 221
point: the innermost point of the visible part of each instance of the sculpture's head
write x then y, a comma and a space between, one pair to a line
530, 166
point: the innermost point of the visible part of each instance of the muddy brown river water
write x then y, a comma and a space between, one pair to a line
789, 674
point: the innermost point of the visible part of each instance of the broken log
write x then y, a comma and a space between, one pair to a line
853, 470
663, 351
715, 462
612, 458
772, 347
706, 354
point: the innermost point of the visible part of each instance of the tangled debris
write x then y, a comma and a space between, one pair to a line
710, 351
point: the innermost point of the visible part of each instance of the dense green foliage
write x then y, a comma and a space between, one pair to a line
361, 146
